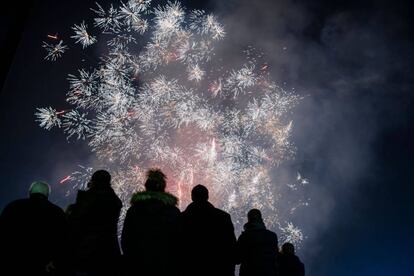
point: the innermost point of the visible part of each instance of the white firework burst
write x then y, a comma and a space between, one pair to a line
54, 51
108, 21
166, 99
291, 233
168, 20
131, 13
140, 5
48, 117
239, 80
195, 73
75, 123
82, 36
206, 24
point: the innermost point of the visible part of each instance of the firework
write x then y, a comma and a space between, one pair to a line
131, 13
75, 123
79, 178
108, 21
206, 25
82, 36
48, 117
195, 73
165, 102
54, 51
291, 233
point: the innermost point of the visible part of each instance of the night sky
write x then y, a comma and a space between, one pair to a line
352, 61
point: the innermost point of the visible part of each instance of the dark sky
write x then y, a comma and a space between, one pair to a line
351, 60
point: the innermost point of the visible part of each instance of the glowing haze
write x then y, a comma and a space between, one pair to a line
161, 97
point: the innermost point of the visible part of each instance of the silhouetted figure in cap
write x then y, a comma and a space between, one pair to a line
208, 237
33, 235
257, 247
150, 237
94, 221
289, 264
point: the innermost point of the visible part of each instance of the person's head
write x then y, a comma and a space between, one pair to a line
288, 248
156, 181
39, 187
199, 193
254, 215
100, 179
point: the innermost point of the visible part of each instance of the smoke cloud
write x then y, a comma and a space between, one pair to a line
341, 59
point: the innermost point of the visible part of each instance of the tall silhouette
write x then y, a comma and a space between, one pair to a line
33, 235
208, 237
93, 220
289, 264
150, 237
257, 247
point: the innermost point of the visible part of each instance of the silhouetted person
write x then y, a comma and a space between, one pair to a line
94, 220
257, 247
208, 237
288, 263
33, 235
150, 238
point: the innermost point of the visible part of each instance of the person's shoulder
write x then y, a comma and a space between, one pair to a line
53, 207
191, 209
223, 217
271, 233
175, 210
16, 204
81, 195
222, 213
117, 199
297, 260
172, 209
110, 196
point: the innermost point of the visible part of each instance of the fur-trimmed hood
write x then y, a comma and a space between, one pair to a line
166, 198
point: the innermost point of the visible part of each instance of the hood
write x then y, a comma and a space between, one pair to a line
166, 198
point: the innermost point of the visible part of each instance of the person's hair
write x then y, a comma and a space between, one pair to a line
288, 248
254, 215
39, 187
199, 193
156, 180
100, 178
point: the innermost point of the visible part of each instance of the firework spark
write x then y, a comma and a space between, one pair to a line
82, 36
55, 37
54, 51
48, 117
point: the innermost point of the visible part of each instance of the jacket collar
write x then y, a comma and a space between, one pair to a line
166, 198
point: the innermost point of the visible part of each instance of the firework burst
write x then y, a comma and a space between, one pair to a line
82, 36
54, 51
165, 102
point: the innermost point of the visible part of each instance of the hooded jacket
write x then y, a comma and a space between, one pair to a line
94, 222
209, 240
290, 265
150, 236
257, 250
33, 233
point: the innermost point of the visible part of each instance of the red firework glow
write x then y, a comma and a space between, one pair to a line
65, 179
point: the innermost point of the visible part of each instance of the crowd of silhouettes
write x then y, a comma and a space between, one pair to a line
39, 238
